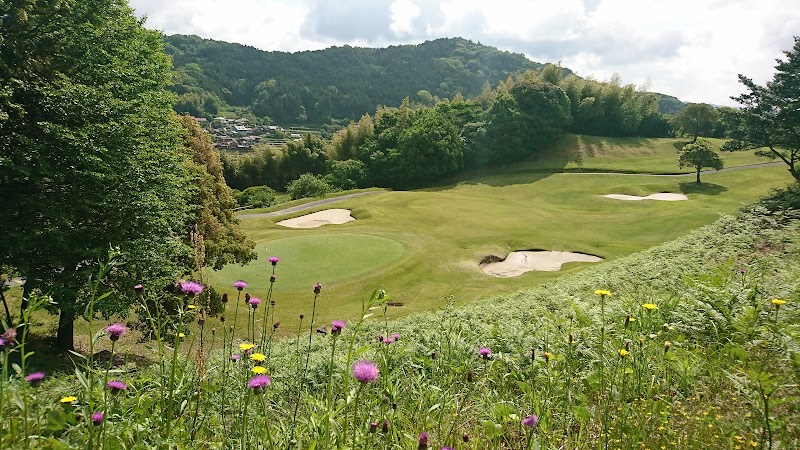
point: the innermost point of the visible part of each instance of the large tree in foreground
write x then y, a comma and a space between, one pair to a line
89, 152
769, 119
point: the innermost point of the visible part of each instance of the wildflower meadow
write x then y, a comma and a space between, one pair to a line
691, 344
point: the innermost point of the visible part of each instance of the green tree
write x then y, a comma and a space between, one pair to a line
89, 153
257, 197
699, 154
213, 229
349, 174
697, 119
430, 148
307, 186
769, 117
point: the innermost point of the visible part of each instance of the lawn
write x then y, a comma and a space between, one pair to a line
445, 231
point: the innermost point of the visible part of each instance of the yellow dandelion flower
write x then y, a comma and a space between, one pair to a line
631, 319
547, 356
246, 346
622, 352
602, 293
69, 399
258, 370
778, 302
181, 335
192, 307
650, 306
258, 357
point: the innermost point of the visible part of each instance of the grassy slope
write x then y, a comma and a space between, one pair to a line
447, 230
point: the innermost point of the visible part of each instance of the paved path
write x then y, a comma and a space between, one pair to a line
306, 206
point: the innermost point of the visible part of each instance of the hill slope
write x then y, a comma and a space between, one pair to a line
339, 81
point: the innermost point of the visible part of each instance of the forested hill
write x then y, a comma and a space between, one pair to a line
338, 82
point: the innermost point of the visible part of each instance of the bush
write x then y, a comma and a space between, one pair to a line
257, 197
783, 199
307, 186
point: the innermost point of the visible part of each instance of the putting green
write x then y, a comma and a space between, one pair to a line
308, 259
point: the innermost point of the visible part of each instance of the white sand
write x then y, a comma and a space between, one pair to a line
318, 219
665, 196
517, 263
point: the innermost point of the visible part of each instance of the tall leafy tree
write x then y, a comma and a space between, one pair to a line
697, 119
699, 154
769, 118
213, 229
88, 152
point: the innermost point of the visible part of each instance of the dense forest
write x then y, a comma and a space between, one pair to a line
339, 82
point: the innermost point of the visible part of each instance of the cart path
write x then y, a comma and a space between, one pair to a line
306, 206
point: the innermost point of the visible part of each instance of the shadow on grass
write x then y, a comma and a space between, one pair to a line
692, 187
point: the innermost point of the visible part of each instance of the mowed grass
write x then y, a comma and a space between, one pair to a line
644, 155
308, 257
446, 231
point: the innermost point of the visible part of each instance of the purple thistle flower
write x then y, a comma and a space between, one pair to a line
530, 421
446, 448
97, 418
423, 440
373, 427
116, 386
254, 302
259, 382
337, 326
274, 260
317, 288
388, 341
365, 371
191, 288
485, 352
2, 342
240, 285
35, 378
234, 357
385, 427
465, 437
10, 336
396, 336
138, 289
116, 330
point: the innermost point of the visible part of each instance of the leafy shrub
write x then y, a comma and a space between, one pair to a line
782, 199
257, 197
307, 186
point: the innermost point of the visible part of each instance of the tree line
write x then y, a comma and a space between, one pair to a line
425, 139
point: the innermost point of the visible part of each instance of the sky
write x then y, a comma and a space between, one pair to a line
692, 49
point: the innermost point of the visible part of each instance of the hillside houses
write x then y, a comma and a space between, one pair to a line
236, 134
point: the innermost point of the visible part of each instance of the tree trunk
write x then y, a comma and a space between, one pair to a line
9, 319
698, 174
65, 339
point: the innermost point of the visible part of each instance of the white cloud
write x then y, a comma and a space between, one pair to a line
692, 49
403, 14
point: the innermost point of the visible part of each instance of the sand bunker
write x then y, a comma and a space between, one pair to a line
665, 196
318, 219
517, 263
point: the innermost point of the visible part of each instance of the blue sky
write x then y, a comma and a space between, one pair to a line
692, 49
